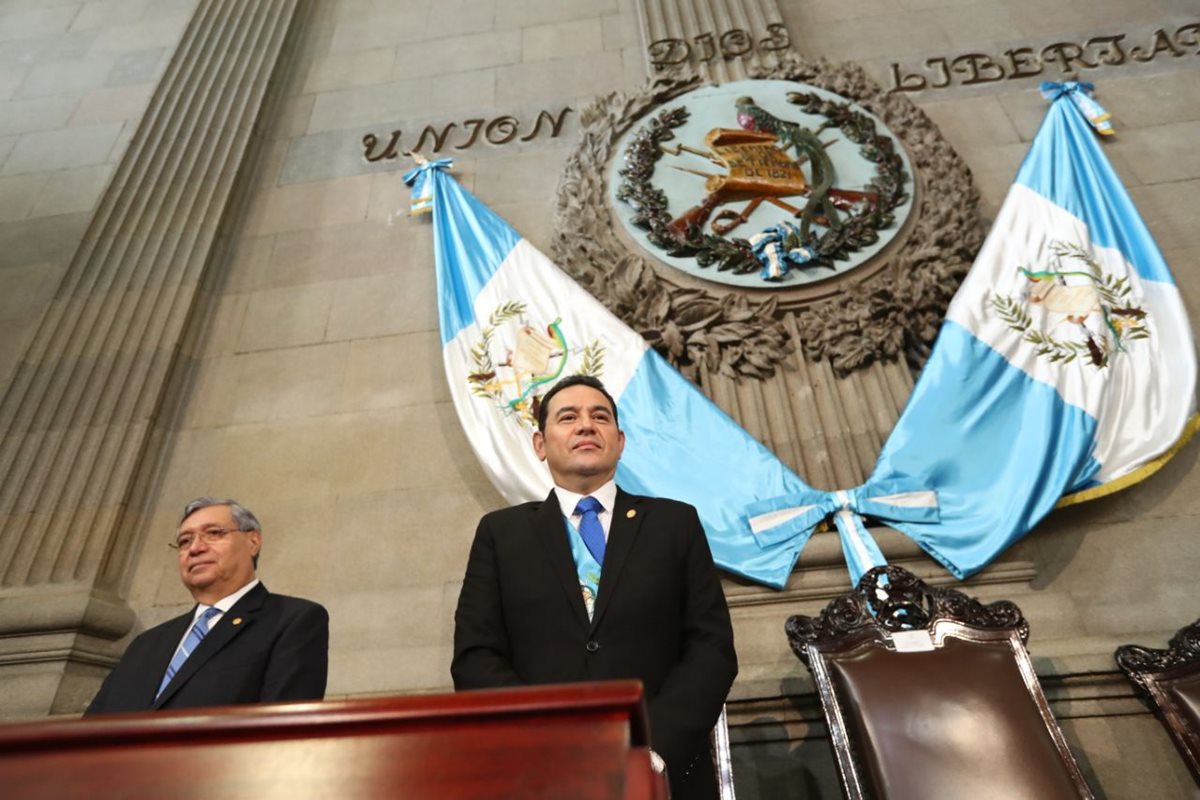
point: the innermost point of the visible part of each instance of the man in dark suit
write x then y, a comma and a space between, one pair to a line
240, 644
525, 614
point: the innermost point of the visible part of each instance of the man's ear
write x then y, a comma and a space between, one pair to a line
539, 445
255, 541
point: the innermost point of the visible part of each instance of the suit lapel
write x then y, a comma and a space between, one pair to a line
549, 527
626, 521
243, 611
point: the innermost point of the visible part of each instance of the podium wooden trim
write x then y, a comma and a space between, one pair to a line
586, 740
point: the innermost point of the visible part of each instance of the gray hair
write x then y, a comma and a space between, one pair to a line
243, 517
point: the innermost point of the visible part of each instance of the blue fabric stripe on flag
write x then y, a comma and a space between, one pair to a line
470, 243
1066, 166
679, 444
1000, 447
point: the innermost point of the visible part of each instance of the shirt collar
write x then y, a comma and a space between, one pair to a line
606, 494
225, 603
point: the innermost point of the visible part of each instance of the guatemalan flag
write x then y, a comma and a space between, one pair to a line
512, 323
1065, 365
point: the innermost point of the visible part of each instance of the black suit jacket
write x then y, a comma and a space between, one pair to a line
660, 617
267, 647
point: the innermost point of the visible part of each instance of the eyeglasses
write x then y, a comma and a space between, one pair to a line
184, 541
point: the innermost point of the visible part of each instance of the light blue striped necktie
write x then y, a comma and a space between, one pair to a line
195, 635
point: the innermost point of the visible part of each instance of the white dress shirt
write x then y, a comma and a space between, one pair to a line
606, 494
222, 605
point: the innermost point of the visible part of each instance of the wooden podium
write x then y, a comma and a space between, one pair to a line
587, 740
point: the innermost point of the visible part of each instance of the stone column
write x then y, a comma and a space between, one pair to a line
78, 419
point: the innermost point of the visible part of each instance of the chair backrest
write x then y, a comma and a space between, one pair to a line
718, 746
1169, 680
929, 693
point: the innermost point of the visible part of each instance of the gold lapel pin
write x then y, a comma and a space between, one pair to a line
237, 620
631, 513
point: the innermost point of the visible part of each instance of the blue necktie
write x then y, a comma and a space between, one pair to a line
590, 529
199, 631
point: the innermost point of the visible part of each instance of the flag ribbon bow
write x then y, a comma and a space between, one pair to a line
420, 178
1080, 93
779, 519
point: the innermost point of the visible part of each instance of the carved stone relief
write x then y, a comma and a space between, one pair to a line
850, 320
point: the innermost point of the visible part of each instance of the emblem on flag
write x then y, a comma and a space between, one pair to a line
514, 363
1068, 326
1081, 312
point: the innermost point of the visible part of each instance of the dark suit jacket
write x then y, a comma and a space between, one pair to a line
660, 617
278, 651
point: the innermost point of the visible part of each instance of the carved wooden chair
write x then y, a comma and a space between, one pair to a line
928, 694
1169, 681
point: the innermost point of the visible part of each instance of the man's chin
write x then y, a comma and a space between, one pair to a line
593, 457
200, 579
590, 470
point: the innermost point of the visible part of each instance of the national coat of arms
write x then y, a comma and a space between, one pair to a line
798, 185
514, 363
1084, 310
731, 223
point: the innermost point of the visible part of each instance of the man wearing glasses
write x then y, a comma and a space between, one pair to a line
240, 644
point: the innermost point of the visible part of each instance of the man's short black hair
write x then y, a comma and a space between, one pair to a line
568, 382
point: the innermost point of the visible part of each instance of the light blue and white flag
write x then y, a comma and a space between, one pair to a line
513, 323
1065, 365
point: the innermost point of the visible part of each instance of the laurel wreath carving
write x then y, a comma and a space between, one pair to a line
895, 313
858, 230
650, 204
